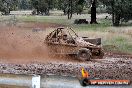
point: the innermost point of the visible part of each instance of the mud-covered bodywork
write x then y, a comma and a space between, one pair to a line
66, 41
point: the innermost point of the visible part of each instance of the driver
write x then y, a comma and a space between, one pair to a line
63, 38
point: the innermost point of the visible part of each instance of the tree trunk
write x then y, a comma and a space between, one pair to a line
117, 20
113, 15
70, 9
68, 13
93, 13
7, 11
47, 12
64, 11
37, 11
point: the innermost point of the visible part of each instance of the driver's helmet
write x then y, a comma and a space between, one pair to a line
64, 35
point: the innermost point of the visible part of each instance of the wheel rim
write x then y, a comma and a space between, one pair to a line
84, 56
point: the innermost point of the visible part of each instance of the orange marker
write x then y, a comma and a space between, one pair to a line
85, 73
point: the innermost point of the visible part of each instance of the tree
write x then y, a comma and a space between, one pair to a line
1, 3
93, 5
70, 9
120, 10
93, 12
62, 5
7, 5
70, 6
80, 6
42, 6
79, 9
23, 4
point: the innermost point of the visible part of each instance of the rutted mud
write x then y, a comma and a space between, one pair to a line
108, 68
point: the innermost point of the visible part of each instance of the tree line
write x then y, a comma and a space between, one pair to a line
119, 9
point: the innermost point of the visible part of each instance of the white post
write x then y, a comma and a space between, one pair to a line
36, 81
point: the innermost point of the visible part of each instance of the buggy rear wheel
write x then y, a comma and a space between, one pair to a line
84, 54
101, 53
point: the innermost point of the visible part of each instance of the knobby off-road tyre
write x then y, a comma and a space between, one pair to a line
84, 54
101, 53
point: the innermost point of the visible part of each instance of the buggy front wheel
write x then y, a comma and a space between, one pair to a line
84, 54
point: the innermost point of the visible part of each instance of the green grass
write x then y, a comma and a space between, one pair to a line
118, 44
94, 27
45, 19
63, 20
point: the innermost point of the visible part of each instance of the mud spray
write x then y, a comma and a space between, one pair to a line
24, 43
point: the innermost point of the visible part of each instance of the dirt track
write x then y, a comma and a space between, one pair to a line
22, 51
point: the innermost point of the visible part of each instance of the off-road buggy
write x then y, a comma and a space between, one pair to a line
66, 41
